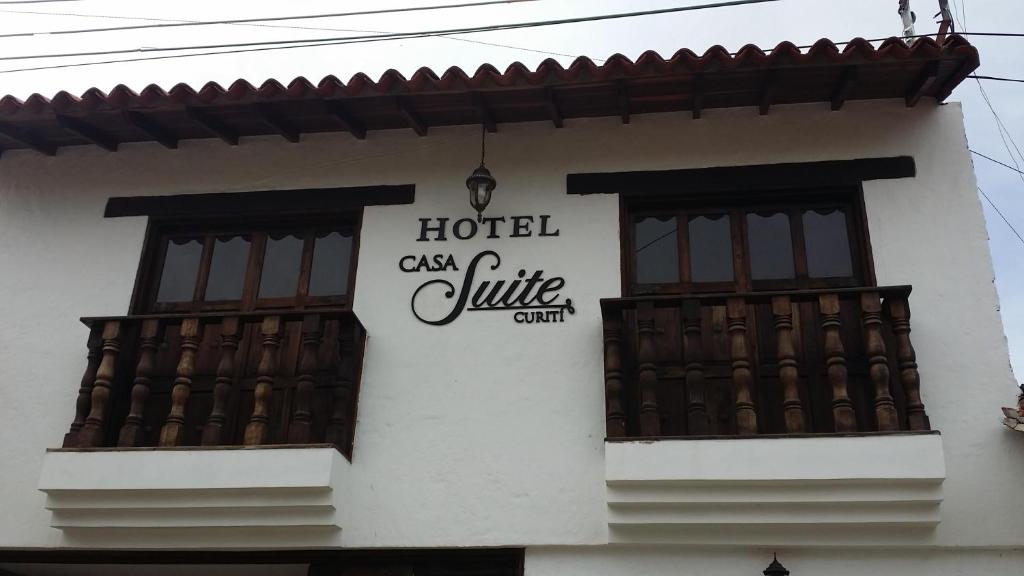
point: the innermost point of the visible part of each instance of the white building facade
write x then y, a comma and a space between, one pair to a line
638, 407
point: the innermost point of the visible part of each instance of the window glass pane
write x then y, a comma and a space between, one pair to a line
281, 262
331, 258
828, 245
771, 246
181, 265
710, 249
657, 250
227, 269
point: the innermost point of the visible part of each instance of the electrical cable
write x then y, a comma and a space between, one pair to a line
293, 27
316, 43
1004, 133
990, 159
977, 77
401, 35
999, 125
163, 23
1001, 215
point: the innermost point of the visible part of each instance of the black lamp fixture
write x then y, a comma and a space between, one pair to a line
775, 568
480, 182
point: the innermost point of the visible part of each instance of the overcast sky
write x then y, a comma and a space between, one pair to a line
799, 21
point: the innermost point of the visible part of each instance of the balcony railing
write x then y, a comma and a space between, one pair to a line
220, 379
795, 362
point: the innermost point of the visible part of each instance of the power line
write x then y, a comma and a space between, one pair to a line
977, 77
990, 159
286, 26
402, 35
315, 44
36, 2
1001, 215
999, 125
263, 49
175, 23
1004, 133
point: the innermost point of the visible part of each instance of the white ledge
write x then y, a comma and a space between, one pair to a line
829, 490
101, 498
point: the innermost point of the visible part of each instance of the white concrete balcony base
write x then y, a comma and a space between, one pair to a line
246, 497
824, 490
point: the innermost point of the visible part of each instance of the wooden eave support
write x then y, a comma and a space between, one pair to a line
343, 116
622, 94
847, 80
486, 116
949, 82
87, 131
697, 97
923, 83
767, 92
151, 128
212, 124
552, 104
411, 117
28, 139
278, 122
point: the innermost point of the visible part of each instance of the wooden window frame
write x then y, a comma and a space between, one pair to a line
737, 204
161, 230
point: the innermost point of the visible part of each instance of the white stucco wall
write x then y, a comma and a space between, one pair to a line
485, 432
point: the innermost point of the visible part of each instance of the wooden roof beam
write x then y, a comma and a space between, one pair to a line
150, 128
697, 97
343, 116
278, 122
88, 131
623, 100
924, 81
843, 89
212, 124
486, 116
552, 104
28, 139
764, 100
411, 117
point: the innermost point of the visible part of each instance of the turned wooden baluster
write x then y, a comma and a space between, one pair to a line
84, 402
337, 432
693, 356
258, 427
615, 417
149, 342
647, 379
742, 379
899, 311
173, 431
92, 431
878, 363
302, 419
230, 334
789, 375
835, 361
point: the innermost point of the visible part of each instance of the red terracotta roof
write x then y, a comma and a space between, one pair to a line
618, 87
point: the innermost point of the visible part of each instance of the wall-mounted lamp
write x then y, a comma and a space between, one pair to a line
480, 182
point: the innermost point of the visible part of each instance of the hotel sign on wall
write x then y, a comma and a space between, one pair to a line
469, 286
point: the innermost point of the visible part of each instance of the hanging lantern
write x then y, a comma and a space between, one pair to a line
775, 568
481, 183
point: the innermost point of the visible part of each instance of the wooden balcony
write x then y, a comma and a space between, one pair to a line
259, 378
795, 362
